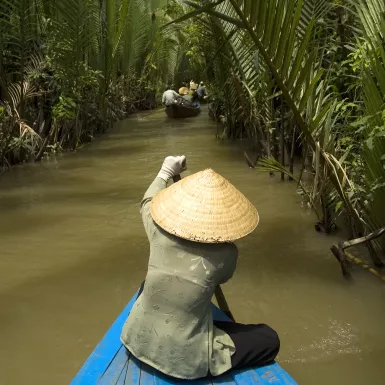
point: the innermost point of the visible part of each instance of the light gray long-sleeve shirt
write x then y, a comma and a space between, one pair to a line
170, 326
169, 97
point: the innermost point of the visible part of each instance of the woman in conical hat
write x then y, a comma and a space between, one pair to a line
191, 227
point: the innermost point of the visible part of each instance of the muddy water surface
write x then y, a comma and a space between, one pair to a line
73, 252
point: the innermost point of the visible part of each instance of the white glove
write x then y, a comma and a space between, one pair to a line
172, 165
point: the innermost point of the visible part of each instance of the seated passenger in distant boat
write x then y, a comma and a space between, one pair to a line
201, 91
170, 97
188, 101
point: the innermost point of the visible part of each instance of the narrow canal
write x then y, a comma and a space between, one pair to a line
73, 252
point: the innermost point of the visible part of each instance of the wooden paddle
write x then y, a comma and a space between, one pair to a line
220, 297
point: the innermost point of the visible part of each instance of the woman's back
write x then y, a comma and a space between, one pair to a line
191, 226
171, 326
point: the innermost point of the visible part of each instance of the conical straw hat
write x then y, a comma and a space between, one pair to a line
183, 91
204, 207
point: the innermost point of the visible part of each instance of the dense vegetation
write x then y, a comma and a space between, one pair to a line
304, 76
294, 77
70, 68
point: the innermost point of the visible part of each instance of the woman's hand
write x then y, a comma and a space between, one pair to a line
172, 165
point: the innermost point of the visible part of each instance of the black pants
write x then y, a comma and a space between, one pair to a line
256, 345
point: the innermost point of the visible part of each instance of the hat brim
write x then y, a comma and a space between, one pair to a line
206, 208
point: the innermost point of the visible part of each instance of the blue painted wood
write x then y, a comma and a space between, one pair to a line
111, 364
150, 376
247, 377
275, 374
101, 357
122, 377
112, 373
134, 369
147, 375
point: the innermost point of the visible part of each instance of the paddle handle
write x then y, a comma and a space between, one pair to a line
220, 297
222, 303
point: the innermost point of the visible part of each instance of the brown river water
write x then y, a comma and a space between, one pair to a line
73, 252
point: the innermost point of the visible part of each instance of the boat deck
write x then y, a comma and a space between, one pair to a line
111, 364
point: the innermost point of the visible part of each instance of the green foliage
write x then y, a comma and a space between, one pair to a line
196, 56
173, 9
290, 72
357, 59
64, 109
23, 146
71, 68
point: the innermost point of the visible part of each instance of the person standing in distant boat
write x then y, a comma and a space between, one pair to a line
191, 227
193, 86
170, 97
201, 91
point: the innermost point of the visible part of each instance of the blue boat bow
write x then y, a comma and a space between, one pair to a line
111, 364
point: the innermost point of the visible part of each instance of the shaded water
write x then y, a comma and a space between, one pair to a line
73, 251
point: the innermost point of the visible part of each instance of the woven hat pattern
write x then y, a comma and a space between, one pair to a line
204, 207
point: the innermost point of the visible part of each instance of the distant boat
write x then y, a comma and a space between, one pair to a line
182, 110
112, 364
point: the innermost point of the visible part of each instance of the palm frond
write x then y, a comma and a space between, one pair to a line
373, 20
268, 164
313, 9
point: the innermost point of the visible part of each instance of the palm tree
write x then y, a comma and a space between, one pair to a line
274, 56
